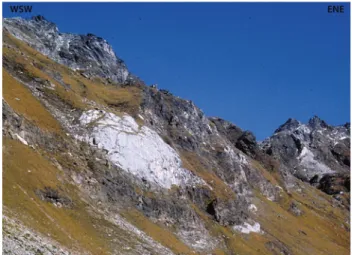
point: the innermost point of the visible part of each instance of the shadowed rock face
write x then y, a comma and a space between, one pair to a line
90, 54
335, 183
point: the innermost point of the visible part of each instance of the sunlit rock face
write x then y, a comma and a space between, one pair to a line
165, 169
310, 150
137, 150
90, 54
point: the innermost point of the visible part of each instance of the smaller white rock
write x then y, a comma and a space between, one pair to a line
270, 199
247, 228
22, 140
252, 208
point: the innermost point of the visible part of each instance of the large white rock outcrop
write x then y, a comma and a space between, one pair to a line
137, 150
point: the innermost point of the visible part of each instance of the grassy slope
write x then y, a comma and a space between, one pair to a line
321, 223
79, 89
23, 102
71, 227
157, 232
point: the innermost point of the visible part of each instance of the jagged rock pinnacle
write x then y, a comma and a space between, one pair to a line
38, 18
316, 122
288, 125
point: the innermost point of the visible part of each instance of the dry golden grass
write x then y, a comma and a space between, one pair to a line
68, 96
317, 231
23, 102
119, 99
24, 171
158, 233
18, 44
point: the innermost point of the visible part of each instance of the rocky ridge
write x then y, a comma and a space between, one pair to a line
191, 184
89, 54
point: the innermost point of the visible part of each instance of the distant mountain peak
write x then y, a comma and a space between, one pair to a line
316, 122
39, 18
290, 124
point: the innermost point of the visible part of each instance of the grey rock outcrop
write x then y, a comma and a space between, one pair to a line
89, 54
311, 151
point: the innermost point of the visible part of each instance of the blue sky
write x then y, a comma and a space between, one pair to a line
254, 64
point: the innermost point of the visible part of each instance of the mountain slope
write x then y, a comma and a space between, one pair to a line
112, 166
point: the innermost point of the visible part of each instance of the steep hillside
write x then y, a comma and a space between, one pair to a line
97, 162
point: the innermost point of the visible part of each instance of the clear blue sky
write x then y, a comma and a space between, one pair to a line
254, 64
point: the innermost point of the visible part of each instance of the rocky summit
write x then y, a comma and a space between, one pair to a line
88, 54
97, 162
